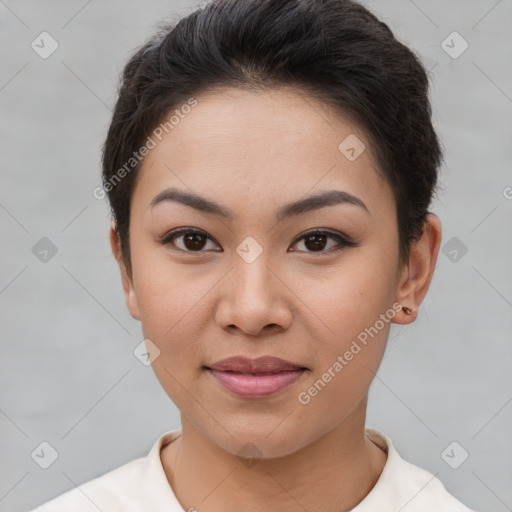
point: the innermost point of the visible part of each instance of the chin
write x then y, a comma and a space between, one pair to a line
261, 440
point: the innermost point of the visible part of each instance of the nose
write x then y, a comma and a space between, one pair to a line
255, 300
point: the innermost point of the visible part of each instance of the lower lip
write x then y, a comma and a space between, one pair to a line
254, 385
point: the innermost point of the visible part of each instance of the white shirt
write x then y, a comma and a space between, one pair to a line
142, 486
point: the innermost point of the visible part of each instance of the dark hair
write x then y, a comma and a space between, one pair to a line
335, 50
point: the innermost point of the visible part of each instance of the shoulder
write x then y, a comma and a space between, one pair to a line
99, 493
140, 484
409, 487
424, 491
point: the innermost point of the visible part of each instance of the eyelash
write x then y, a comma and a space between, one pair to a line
342, 241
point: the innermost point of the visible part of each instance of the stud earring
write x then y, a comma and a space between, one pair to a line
407, 311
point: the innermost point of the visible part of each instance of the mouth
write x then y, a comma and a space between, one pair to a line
253, 378
256, 374
260, 365
256, 384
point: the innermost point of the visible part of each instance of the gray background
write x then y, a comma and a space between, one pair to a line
68, 374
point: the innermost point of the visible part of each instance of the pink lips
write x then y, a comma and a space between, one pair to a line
259, 377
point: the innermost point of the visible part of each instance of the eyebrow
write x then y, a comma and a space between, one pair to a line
307, 204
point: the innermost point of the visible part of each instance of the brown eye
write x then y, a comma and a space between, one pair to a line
193, 241
316, 241
187, 240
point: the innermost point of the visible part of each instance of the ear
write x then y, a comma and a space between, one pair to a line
129, 290
417, 274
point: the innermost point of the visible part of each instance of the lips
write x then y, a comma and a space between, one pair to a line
255, 378
260, 366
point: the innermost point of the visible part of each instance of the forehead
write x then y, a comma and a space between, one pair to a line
262, 147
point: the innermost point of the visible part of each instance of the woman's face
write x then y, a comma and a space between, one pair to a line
254, 284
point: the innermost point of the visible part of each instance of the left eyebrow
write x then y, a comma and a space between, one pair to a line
308, 204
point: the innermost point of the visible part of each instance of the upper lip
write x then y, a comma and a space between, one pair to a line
261, 364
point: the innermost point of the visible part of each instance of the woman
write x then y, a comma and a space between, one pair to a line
270, 165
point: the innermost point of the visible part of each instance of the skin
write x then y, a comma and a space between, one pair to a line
254, 152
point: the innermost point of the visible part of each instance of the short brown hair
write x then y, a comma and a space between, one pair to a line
336, 50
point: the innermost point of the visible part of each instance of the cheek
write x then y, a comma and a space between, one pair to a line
171, 309
172, 300
354, 308
172, 317
350, 297
349, 353
164, 290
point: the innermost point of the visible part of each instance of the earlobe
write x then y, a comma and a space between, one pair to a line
417, 274
126, 279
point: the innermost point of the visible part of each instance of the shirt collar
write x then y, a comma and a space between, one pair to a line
388, 493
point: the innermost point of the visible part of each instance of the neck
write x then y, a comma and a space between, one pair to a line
333, 473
